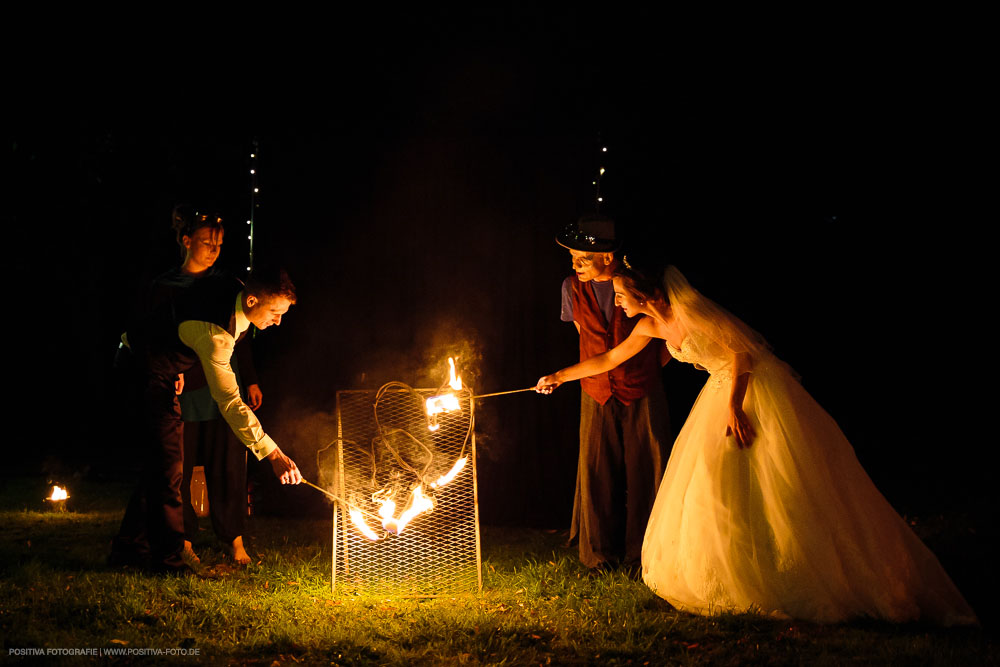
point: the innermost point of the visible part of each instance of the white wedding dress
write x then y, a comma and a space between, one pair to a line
792, 526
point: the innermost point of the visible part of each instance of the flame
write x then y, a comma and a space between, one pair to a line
454, 381
418, 503
437, 405
450, 475
361, 525
58, 493
387, 509
443, 403
387, 506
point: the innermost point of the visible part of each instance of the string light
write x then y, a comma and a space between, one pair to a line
254, 204
597, 183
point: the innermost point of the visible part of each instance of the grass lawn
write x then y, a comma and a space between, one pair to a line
538, 606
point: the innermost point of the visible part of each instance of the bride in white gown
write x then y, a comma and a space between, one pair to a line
763, 506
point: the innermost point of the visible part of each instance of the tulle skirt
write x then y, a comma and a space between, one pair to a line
791, 527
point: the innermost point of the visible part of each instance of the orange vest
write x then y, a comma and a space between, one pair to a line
630, 381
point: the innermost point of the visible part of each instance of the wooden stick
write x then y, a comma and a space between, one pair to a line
320, 489
501, 393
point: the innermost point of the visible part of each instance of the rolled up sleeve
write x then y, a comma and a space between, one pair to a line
214, 347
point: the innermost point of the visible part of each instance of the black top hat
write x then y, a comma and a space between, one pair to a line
591, 233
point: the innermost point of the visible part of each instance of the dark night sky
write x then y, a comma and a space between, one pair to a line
826, 189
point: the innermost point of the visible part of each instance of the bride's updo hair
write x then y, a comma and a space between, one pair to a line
644, 284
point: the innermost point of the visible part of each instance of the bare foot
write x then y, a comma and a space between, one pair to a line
189, 553
238, 553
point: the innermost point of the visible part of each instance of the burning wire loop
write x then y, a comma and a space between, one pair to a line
415, 472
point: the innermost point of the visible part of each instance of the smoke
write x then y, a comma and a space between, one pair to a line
424, 362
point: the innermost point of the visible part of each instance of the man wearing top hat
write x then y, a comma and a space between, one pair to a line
624, 430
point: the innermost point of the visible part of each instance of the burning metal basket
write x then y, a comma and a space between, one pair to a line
390, 448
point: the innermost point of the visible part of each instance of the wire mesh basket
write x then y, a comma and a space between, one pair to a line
387, 447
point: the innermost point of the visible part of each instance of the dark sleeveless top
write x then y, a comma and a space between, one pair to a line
628, 382
175, 298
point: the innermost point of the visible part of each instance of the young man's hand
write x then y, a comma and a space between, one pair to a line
284, 468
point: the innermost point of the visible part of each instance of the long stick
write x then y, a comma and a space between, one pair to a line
340, 500
501, 393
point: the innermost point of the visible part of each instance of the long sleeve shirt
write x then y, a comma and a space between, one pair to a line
214, 347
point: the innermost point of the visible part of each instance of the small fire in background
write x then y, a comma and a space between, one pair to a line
57, 499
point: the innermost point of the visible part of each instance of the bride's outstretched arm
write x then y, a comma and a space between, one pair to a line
739, 424
613, 358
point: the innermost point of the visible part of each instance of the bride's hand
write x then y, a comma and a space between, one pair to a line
740, 427
547, 384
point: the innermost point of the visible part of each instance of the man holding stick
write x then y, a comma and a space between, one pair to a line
206, 320
624, 430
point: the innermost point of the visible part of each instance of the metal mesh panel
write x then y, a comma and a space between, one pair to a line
438, 552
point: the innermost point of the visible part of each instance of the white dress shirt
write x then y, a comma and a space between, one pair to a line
214, 347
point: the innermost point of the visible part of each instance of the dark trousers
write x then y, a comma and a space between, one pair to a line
213, 444
154, 520
623, 452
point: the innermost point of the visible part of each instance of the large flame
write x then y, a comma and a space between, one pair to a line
450, 475
454, 381
58, 493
